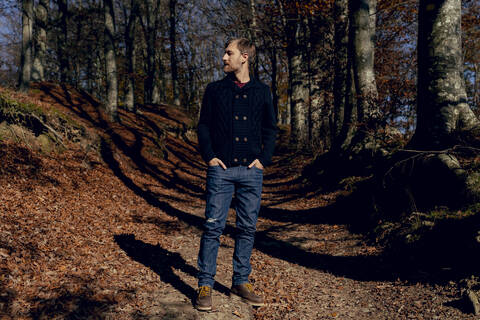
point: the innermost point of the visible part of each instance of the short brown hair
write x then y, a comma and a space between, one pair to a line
245, 46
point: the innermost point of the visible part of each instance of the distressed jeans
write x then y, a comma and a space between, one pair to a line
221, 185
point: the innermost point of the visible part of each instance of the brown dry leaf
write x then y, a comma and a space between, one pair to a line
237, 313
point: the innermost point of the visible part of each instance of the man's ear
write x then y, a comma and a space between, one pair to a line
245, 56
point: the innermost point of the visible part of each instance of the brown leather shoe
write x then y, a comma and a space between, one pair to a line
204, 299
245, 291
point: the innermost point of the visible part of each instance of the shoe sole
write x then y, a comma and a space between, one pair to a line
255, 304
203, 308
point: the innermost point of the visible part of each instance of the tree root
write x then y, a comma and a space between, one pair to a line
472, 296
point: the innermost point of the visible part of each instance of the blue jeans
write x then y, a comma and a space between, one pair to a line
221, 185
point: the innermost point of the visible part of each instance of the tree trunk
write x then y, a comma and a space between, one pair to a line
27, 45
362, 13
253, 35
444, 118
442, 109
110, 61
298, 80
287, 115
150, 23
173, 56
63, 40
130, 51
273, 61
318, 84
476, 86
340, 93
41, 20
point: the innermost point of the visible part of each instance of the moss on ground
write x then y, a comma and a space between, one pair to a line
40, 129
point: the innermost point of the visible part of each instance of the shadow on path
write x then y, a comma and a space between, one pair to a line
161, 261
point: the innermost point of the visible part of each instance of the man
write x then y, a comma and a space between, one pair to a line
236, 134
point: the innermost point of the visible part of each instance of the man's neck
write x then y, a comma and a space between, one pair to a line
242, 76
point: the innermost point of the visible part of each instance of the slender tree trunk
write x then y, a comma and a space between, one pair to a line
27, 45
273, 61
150, 24
63, 40
442, 109
99, 68
319, 127
476, 86
41, 20
298, 80
130, 51
340, 93
110, 61
254, 36
90, 73
363, 13
287, 117
173, 56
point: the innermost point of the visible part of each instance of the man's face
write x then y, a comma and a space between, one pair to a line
233, 59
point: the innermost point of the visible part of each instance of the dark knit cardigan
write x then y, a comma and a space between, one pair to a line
215, 126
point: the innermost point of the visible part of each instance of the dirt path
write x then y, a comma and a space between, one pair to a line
117, 238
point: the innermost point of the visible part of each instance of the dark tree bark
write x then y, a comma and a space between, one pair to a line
273, 61
254, 35
173, 56
442, 109
27, 45
110, 61
41, 20
150, 23
130, 46
340, 93
63, 40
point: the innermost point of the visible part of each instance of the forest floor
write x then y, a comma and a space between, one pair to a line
112, 232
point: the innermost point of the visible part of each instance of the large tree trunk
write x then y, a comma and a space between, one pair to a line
41, 20
442, 109
444, 119
63, 40
110, 61
27, 45
173, 56
362, 22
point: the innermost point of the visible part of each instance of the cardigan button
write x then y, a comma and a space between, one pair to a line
237, 96
245, 139
237, 139
235, 160
244, 96
236, 117
244, 117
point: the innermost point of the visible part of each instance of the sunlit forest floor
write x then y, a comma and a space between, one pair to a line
111, 231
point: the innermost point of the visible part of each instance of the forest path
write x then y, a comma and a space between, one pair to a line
115, 235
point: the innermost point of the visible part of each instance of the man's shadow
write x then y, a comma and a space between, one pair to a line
161, 261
